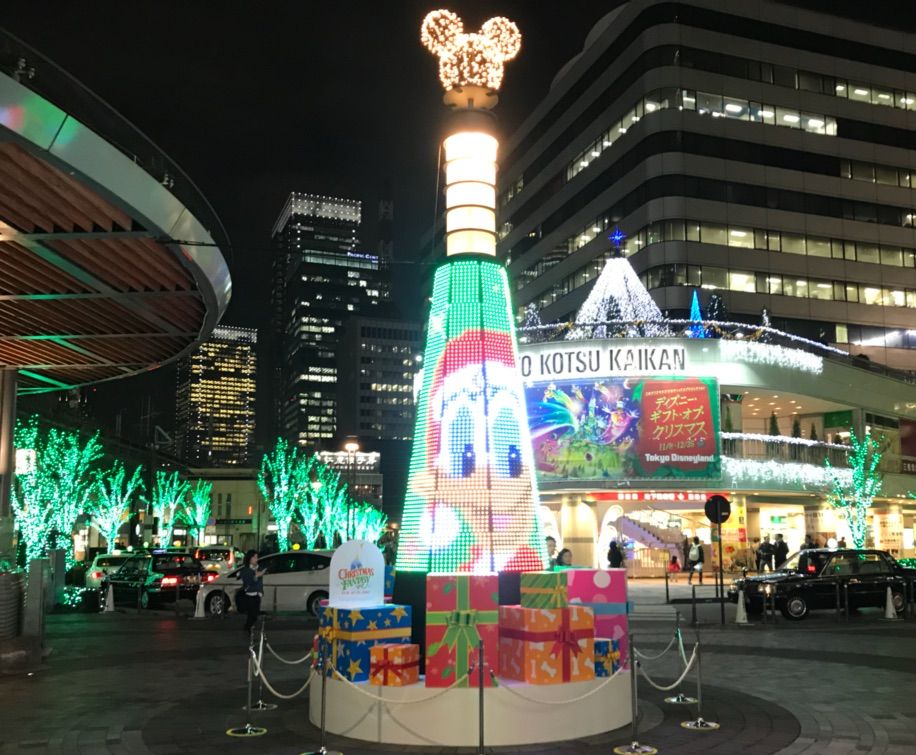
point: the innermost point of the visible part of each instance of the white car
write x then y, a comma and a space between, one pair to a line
294, 581
103, 565
218, 558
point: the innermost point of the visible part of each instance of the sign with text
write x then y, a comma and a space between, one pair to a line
577, 360
626, 428
357, 576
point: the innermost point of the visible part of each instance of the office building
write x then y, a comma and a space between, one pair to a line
320, 279
378, 360
216, 400
753, 149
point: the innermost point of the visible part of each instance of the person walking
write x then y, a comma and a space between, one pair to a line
780, 551
615, 556
695, 560
252, 589
765, 555
674, 569
808, 544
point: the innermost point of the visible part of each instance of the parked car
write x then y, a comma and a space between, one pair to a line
218, 558
294, 581
807, 581
104, 564
156, 578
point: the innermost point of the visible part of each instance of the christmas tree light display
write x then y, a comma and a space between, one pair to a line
696, 331
471, 502
197, 512
855, 495
283, 480
110, 502
167, 501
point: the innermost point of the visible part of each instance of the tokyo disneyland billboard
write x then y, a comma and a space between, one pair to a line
625, 428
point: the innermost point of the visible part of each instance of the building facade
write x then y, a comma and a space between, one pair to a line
759, 151
320, 279
215, 411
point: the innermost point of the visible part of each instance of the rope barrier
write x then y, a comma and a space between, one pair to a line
273, 652
259, 672
390, 701
680, 645
560, 702
654, 657
675, 684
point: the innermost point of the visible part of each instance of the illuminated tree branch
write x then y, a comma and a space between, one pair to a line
197, 511
167, 499
282, 481
112, 495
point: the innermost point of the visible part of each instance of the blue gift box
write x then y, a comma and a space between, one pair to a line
607, 656
389, 582
346, 634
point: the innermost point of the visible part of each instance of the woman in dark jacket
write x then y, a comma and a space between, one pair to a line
615, 555
252, 589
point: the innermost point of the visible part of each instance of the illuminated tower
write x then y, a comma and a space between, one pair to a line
471, 501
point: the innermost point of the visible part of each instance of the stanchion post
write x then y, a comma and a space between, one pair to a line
693, 603
139, 592
249, 729
836, 585
680, 698
177, 592
846, 599
261, 705
480, 672
634, 747
667, 595
699, 724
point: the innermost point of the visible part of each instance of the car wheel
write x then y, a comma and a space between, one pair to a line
145, 601
899, 602
795, 608
314, 604
217, 603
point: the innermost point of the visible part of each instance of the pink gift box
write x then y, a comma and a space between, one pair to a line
605, 592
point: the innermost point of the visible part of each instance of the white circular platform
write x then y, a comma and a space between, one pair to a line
450, 719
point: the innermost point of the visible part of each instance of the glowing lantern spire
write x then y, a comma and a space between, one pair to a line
472, 501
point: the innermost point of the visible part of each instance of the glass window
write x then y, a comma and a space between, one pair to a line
867, 252
852, 292
794, 286
859, 92
841, 88
793, 243
715, 277
708, 104
687, 99
842, 334
904, 178
886, 175
818, 289
742, 281
882, 97
849, 248
743, 237
839, 291
788, 117
761, 283
694, 275
818, 247
693, 231
655, 233
895, 297
909, 258
766, 73
775, 284
815, 124
870, 295
773, 241
734, 108
911, 301
760, 239
845, 169
674, 230
863, 171
837, 249
891, 256
653, 277
763, 114
711, 233
809, 82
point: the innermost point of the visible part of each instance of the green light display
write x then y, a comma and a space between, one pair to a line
113, 492
197, 511
166, 502
855, 498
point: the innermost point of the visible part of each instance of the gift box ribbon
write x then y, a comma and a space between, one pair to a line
565, 640
386, 666
556, 591
333, 634
461, 626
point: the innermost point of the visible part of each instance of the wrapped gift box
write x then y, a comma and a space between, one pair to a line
461, 609
607, 656
544, 589
546, 645
347, 634
393, 665
389, 582
316, 651
605, 592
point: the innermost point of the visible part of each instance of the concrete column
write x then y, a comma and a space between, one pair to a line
7, 459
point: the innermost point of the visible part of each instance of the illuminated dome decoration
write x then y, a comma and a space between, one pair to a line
472, 60
472, 501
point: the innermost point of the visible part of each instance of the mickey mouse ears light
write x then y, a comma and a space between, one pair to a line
470, 61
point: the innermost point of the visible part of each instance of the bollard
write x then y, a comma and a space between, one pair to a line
839, 610
177, 593
139, 591
699, 723
634, 747
693, 593
667, 595
480, 722
846, 600
248, 730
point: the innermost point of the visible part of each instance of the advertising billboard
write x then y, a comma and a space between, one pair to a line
626, 428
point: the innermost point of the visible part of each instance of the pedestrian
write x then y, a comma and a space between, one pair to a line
252, 589
808, 544
780, 550
615, 556
842, 543
564, 558
695, 560
551, 550
674, 568
765, 555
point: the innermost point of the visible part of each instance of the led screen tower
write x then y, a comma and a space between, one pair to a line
471, 501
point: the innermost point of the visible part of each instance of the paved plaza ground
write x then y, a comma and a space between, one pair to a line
157, 683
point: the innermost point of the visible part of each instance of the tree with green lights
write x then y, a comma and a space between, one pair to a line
855, 497
166, 501
197, 511
112, 494
368, 522
308, 506
283, 480
332, 505
49, 498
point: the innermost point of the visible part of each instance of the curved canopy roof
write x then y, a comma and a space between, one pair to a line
105, 268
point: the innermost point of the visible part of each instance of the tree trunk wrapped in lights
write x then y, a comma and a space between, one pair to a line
167, 500
197, 512
283, 480
855, 497
112, 495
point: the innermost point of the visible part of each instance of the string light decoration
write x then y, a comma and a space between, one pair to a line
166, 502
696, 315
471, 503
197, 511
855, 495
750, 473
284, 481
470, 59
112, 495
755, 352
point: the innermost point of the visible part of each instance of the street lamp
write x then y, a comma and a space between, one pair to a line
351, 446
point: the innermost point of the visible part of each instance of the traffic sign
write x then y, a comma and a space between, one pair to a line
718, 509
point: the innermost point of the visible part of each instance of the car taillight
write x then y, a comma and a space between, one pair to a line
812, 569
169, 581
97, 575
211, 577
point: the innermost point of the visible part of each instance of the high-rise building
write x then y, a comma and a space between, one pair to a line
377, 362
320, 279
752, 149
216, 400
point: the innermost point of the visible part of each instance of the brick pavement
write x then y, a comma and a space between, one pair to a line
155, 683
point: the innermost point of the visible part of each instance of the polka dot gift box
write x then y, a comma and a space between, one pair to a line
605, 592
